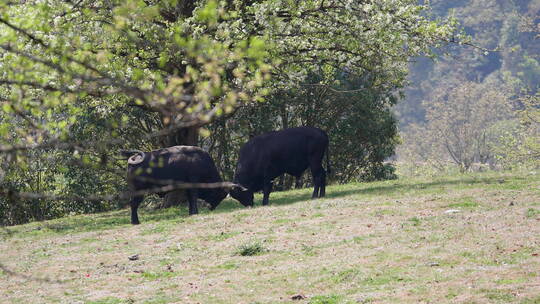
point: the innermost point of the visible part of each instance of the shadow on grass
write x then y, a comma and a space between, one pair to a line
93, 222
103, 221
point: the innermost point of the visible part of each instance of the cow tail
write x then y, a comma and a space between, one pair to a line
328, 160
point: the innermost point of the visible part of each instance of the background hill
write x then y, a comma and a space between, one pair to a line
478, 103
508, 26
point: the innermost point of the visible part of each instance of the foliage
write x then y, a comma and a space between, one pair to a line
82, 80
505, 34
359, 123
461, 126
77, 89
520, 145
509, 33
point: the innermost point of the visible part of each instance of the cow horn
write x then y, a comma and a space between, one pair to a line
239, 187
230, 186
136, 159
128, 153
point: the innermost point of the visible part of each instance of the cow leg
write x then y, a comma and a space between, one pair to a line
298, 182
192, 197
267, 188
322, 191
315, 189
318, 174
134, 203
318, 182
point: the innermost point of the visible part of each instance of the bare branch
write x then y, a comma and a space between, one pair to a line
171, 186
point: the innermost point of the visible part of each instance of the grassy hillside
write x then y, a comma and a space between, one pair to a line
456, 239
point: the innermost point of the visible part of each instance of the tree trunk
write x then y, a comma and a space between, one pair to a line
224, 158
178, 137
181, 137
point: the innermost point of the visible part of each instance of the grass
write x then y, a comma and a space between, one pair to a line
157, 275
252, 248
531, 212
328, 299
465, 202
382, 242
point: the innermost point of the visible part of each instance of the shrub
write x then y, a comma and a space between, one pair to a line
250, 249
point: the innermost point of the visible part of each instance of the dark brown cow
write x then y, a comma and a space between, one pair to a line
179, 164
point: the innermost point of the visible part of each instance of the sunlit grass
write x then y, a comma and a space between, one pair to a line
381, 242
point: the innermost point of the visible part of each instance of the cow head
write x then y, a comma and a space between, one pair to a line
243, 195
214, 197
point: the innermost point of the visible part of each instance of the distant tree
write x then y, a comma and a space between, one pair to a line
509, 30
520, 145
460, 126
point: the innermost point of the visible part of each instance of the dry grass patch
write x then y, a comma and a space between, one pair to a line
384, 242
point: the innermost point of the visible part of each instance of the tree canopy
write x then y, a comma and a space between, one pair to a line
82, 79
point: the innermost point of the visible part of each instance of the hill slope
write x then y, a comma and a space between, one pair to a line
455, 239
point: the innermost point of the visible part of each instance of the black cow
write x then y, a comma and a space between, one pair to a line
156, 169
269, 155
